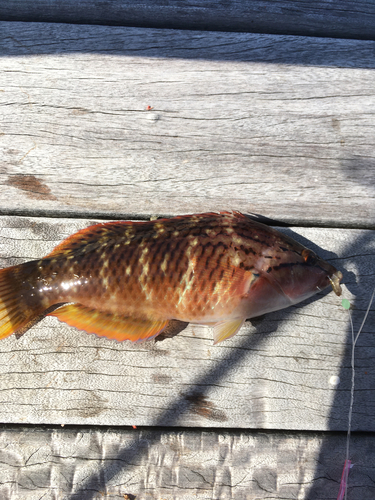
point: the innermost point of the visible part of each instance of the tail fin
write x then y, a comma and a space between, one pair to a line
18, 304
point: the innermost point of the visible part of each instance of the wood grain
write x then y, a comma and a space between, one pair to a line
262, 124
337, 18
91, 464
276, 373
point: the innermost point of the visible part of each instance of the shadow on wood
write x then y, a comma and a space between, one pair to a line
22, 39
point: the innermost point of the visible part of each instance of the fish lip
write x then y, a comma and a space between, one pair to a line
333, 275
335, 279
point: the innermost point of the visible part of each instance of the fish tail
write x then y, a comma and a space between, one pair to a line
19, 305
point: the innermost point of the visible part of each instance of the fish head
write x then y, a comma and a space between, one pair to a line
299, 273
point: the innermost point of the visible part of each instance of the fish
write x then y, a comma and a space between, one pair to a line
127, 280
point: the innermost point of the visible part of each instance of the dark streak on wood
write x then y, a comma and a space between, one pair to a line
159, 378
33, 187
205, 408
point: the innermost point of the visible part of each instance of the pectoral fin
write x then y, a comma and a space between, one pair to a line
226, 329
109, 325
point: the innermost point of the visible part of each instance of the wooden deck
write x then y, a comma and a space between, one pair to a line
247, 114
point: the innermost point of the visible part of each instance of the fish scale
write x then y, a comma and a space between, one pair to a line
127, 280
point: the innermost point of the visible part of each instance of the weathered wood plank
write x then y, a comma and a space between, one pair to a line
239, 121
274, 374
92, 464
50, 38
337, 18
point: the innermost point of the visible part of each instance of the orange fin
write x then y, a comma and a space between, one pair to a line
226, 329
18, 305
90, 235
109, 325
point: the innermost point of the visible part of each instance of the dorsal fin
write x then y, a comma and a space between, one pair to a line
91, 234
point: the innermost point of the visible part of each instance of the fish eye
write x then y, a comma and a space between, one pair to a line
309, 257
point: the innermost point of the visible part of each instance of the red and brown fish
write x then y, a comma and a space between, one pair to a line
127, 280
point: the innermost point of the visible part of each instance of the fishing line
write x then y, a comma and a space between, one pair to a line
348, 464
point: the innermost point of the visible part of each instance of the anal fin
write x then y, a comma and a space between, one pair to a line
109, 325
226, 329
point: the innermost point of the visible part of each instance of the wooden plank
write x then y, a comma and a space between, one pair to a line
279, 138
338, 18
53, 38
276, 373
82, 464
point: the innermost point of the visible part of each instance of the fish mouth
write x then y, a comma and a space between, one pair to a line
335, 279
